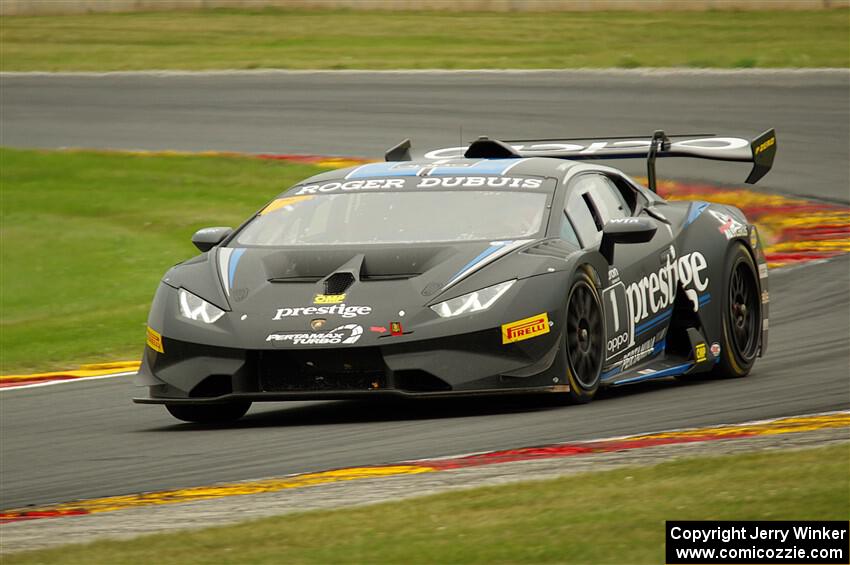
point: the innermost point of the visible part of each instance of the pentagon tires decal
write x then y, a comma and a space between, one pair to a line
741, 315
584, 339
209, 413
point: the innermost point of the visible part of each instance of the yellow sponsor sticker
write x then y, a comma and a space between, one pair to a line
767, 143
328, 299
154, 340
525, 328
283, 202
699, 352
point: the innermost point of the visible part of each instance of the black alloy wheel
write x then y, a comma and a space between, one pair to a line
584, 339
743, 308
741, 315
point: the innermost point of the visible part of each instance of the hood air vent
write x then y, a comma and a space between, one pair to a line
338, 283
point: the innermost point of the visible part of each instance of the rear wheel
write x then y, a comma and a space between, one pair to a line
584, 340
209, 413
741, 315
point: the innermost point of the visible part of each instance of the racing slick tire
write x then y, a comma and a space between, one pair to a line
583, 342
209, 413
741, 315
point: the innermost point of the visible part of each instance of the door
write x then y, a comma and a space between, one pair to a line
639, 292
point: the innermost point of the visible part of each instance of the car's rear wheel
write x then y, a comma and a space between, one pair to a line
209, 413
741, 315
584, 339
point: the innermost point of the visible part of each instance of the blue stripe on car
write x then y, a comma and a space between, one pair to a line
483, 167
384, 170
652, 322
486, 167
234, 260
481, 256
694, 211
672, 371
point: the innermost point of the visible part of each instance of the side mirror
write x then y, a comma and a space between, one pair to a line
207, 238
625, 230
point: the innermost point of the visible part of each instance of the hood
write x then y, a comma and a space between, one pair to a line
357, 294
263, 279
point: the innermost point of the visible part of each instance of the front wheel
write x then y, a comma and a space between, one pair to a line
583, 340
741, 315
209, 413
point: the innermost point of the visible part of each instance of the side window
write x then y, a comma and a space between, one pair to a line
593, 200
608, 198
583, 217
568, 233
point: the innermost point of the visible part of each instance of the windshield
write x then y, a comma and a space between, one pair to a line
392, 217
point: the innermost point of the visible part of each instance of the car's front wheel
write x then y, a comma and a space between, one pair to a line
209, 413
584, 339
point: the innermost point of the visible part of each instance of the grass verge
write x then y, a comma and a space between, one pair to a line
605, 517
86, 236
232, 39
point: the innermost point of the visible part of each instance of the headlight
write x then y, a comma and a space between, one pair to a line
472, 302
198, 309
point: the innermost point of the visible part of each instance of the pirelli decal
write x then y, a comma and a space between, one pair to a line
525, 328
154, 340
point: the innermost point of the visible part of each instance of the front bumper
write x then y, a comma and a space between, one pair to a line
475, 363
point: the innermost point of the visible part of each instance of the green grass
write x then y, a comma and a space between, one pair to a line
608, 517
86, 237
231, 39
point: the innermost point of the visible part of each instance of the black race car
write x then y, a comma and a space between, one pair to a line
487, 269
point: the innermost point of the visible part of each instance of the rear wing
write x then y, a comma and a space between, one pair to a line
759, 151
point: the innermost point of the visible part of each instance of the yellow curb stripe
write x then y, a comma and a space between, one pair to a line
177, 496
781, 426
91, 370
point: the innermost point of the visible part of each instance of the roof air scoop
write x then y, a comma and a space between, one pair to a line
338, 283
486, 148
400, 152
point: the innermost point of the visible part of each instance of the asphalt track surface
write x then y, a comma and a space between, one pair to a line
362, 114
86, 439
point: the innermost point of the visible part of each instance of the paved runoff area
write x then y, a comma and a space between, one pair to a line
132, 515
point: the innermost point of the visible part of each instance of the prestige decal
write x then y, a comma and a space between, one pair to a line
658, 290
338, 309
525, 328
425, 182
346, 334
